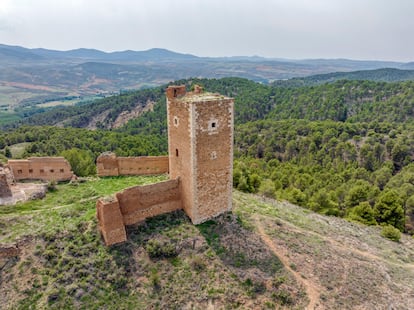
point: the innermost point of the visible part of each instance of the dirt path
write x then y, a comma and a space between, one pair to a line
344, 247
311, 289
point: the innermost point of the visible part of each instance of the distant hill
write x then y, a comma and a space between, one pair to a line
38, 77
12, 55
339, 100
382, 75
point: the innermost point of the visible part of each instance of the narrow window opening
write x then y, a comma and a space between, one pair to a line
19, 171
42, 171
176, 152
175, 93
176, 121
213, 125
62, 170
30, 170
51, 170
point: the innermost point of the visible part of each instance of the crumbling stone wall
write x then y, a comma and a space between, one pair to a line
5, 190
108, 164
41, 168
134, 205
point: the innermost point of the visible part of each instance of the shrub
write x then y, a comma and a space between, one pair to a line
391, 233
158, 249
363, 213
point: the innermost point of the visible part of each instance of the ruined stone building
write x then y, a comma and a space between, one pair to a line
41, 168
108, 164
6, 181
200, 145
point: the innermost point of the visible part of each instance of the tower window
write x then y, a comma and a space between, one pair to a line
176, 152
62, 170
176, 121
212, 126
19, 171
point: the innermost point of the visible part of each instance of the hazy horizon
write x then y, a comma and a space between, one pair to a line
297, 29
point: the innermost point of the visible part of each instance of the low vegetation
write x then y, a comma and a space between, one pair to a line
166, 262
222, 263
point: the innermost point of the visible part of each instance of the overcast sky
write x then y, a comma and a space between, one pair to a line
356, 29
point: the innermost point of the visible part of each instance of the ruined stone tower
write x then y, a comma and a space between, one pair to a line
200, 145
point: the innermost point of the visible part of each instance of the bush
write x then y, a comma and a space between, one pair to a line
391, 233
158, 249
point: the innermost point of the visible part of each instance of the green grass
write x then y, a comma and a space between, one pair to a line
64, 208
167, 262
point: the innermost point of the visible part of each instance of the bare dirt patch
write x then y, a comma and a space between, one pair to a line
349, 265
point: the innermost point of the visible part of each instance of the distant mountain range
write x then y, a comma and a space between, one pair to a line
38, 76
15, 55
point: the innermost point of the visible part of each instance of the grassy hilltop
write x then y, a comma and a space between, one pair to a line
266, 254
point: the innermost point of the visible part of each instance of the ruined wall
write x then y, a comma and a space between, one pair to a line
134, 205
179, 145
111, 223
5, 190
41, 168
108, 164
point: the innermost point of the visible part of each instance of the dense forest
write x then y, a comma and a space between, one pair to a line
343, 148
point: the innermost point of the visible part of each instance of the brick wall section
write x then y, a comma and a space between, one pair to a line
5, 190
179, 148
214, 158
111, 223
41, 168
111, 165
134, 205
140, 202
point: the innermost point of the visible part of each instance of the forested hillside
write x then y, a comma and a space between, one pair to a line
343, 148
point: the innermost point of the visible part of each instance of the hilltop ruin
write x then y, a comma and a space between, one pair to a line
200, 164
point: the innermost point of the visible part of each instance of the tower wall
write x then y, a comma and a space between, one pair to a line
200, 137
179, 145
213, 158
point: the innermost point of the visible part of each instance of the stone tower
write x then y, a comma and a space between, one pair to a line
200, 145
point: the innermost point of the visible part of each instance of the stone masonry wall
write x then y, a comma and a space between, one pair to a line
179, 148
108, 164
5, 190
214, 158
41, 168
134, 205
200, 140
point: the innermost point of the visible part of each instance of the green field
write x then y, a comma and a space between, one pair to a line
8, 117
